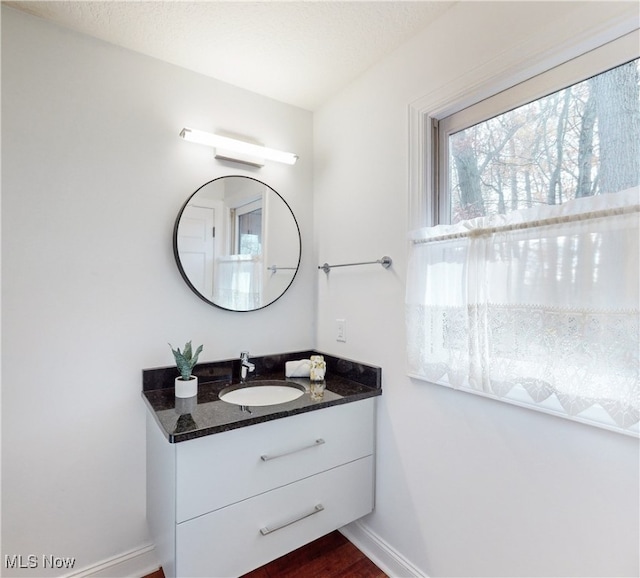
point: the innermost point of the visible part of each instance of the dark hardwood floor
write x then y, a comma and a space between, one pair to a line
331, 556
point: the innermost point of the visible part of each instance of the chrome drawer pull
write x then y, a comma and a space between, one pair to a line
266, 530
266, 458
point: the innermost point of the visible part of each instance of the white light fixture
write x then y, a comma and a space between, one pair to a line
237, 150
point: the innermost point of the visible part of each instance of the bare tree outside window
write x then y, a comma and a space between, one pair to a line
581, 141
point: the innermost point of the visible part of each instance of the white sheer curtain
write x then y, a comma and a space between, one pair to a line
538, 307
238, 282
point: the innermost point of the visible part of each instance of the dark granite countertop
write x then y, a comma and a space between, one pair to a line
184, 419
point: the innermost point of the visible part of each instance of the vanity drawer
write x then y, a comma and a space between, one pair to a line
221, 469
246, 535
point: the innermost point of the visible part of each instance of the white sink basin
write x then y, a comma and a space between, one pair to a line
261, 393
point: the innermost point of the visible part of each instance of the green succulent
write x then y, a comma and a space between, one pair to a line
185, 360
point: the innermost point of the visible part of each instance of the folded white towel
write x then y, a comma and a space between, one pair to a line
298, 368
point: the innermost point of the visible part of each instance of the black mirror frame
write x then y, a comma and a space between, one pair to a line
177, 255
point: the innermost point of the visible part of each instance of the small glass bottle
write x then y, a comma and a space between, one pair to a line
316, 375
318, 368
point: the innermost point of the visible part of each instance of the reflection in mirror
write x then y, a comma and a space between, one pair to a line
237, 243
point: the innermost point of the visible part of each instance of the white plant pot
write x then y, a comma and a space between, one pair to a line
186, 388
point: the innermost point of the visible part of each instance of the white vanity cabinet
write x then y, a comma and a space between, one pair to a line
224, 504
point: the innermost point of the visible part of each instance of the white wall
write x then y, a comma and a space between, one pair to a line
466, 486
93, 176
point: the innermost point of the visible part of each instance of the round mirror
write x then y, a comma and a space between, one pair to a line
237, 243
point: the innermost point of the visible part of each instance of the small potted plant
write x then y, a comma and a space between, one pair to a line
186, 385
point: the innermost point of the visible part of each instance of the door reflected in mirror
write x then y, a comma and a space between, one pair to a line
237, 243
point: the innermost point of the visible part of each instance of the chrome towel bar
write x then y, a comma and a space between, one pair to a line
275, 268
385, 262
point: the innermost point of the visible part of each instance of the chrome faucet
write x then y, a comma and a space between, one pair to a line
245, 366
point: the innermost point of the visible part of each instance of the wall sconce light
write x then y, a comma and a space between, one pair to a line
237, 150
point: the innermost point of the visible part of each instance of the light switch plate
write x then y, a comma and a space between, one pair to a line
341, 330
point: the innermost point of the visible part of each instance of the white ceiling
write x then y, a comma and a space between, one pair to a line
297, 52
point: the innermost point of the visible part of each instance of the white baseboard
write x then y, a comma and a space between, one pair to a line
379, 552
133, 564
142, 561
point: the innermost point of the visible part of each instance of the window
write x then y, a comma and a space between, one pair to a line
519, 150
528, 291
250, 232
581, 141
246, 224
